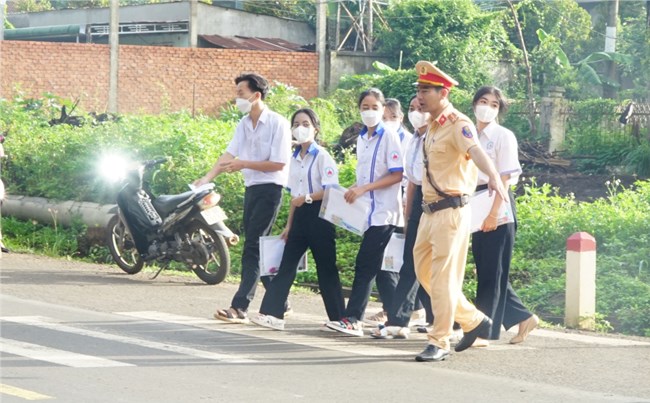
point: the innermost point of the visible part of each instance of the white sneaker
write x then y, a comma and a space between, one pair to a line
377, 319
418, 318
268, 321
347, 327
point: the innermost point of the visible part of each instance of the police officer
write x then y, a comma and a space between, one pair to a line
451, 156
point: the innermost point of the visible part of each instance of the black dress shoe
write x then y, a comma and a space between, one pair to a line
468, 339
432, 353
4, 250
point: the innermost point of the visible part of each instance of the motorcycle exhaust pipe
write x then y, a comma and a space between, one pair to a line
232, 240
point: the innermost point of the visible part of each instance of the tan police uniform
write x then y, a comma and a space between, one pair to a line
440, 251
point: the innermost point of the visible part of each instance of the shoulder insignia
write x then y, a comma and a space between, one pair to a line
453, 117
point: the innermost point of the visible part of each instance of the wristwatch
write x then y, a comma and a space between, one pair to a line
308, 199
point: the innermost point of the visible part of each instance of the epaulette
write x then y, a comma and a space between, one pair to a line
452, 117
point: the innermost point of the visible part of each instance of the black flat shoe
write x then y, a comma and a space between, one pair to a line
4, 250
432, 353
470, 337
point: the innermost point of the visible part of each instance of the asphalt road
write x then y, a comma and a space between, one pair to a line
76, 332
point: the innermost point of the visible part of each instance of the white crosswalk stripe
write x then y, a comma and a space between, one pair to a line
46, 324
55, 356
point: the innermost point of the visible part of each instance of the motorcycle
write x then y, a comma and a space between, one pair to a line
187, 228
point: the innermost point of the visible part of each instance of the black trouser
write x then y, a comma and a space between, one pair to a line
261, 206
307, 231
408, 294
495, 296
366, 268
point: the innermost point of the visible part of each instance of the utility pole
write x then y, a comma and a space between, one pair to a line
114, 39
370, 37
321, 48
609, 91
194, 28
2, 20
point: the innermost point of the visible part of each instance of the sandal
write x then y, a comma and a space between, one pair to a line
232, 315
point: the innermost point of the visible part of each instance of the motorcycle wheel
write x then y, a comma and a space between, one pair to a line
122, 247
218, 266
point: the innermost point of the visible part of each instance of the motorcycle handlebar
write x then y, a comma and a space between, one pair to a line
158, 161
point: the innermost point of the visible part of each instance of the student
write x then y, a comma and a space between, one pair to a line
492, 246
387, 280
407, 298
261, 150
311, 170
379, 173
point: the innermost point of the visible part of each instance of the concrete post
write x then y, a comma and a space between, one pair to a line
194, 24
553, 118
321, 44
114, 39
580, 301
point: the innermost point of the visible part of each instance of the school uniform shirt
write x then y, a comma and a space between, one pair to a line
404, 138
500, 144
413, 162
269, 141
378, 156
313, 172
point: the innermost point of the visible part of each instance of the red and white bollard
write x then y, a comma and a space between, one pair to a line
580, 302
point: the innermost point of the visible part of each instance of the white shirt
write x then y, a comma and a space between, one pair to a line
377, 157
500, 144
312, 173
413, 161
404, 138
269, 141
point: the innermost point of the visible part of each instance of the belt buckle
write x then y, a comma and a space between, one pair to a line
425, 208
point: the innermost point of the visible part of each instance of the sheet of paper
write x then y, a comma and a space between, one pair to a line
271, 251
481, 204
394, 254
352, 217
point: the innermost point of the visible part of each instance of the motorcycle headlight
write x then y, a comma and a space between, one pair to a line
112, 168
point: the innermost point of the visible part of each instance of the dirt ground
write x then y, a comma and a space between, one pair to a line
585, 187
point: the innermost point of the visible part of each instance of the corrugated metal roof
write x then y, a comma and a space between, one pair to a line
253, 43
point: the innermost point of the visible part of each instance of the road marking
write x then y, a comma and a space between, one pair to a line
338, 344
22, 393
582, 338
56, 356
44, 323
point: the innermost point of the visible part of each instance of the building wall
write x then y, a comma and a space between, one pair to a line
342, 63
151, 79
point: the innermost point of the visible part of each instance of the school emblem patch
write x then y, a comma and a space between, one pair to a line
394, 156
329, 172
490, 145
467, 132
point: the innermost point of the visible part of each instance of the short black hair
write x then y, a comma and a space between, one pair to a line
375, 92
498, 94
256, 83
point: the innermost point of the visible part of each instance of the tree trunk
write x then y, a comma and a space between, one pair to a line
529, 73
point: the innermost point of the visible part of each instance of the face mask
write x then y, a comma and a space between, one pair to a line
393, 125
485, 113
244, 105
418, 119
371, 118
303, 134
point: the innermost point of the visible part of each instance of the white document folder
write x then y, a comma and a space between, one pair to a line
394, 254
271, 250
352, 217
481, 204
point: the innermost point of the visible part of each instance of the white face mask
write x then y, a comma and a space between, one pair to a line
303, 134
485, 113
393, 125
371, 118
244, 105
418, 119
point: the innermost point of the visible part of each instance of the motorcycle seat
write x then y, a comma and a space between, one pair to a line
165, 204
